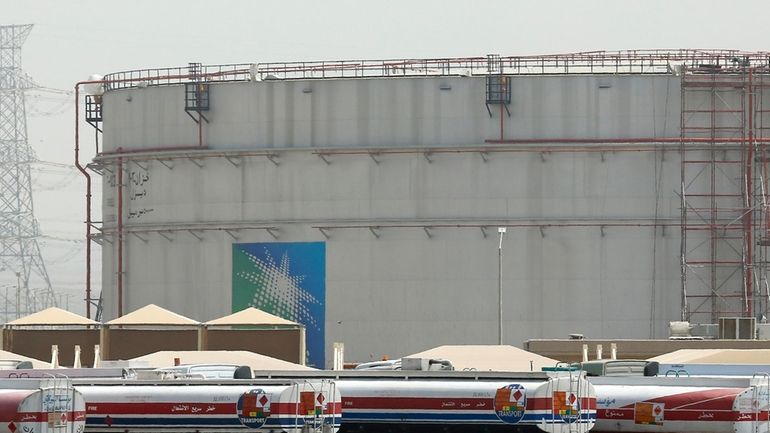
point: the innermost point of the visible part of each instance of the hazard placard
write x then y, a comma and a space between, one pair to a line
57, 419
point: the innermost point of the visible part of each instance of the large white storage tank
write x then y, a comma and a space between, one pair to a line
363, 200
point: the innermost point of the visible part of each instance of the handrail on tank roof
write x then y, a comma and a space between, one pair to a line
587, 62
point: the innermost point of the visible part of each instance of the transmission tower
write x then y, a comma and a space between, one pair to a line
20, 258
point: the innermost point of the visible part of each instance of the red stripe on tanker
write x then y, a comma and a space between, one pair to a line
209, 406
679, 405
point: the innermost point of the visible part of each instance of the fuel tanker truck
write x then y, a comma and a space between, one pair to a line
41, 406
459, 401
355, 402
210, 406
681, 404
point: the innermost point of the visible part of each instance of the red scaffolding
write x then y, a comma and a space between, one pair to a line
723, 190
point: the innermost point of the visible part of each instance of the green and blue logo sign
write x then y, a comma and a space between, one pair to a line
287, 279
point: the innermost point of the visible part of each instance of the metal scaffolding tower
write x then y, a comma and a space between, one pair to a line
724, 190
19, 251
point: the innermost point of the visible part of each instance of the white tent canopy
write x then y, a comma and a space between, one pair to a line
52, 316
488, 358
153, 315
165, 358
250, 316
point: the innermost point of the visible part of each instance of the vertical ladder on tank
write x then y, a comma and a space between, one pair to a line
575, 388
318, 422
196, 97
313, 424
94, 117
760, 401
58, 399
331, 393
498, 85
578, 388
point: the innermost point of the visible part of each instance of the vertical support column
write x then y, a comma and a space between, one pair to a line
748, 216
302, 346
104, 342
203, 337
683, 202
713, 202
119, 229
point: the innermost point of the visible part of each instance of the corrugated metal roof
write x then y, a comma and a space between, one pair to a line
488, 358
153, 315
250, 316
256, 361
52, 316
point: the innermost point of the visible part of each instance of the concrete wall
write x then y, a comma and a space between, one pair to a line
125, 343
36, 343
283, 344
407, 289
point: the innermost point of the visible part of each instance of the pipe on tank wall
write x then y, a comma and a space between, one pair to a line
565, 140
122, 151
88, 197
83, 170
748, 222
119, 186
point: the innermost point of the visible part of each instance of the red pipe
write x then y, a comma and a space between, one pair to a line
121, 151
561, 140
502, 131
748, 215
766, 232
88, 199
200, 130
119, 185
508, 225
83, 170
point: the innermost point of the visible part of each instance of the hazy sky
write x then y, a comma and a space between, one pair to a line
74, 39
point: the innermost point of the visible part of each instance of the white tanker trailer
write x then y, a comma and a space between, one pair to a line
681, 405
449, 402
203, 406
40, 406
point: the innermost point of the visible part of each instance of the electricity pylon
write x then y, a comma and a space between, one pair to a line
19, 231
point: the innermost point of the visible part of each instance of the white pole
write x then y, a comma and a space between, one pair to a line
18, 295
339, 356
500, 230
97, 356
76, 362
54, 356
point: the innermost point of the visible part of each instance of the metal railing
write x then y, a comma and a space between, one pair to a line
590, 62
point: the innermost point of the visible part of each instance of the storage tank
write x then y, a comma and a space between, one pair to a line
362, 199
